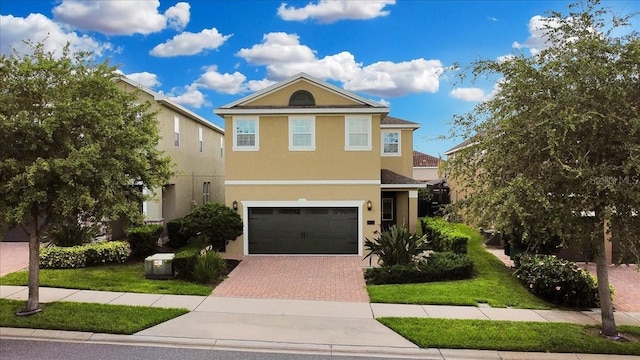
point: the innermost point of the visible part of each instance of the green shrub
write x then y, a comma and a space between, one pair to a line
71, 233
57, 257
395, 246
209, 268
437, 267
184, 262
144, 239
558, 281
177, 236
215, 222
443, 236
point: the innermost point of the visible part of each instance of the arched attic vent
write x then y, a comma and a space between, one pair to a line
302, 98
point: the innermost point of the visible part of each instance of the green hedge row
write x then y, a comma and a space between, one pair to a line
558, 281
57, 257
185, 261
144, 239
437, 267
443, 236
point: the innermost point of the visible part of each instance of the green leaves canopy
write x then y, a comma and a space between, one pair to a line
74, 144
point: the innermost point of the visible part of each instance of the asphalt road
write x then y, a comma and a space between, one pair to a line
54, 350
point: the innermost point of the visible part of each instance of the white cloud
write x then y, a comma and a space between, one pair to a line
537, 40
505, 58
190, 97
284, 56
384, 102
256, 85
469, 94
476, 94
39, 28
188, 43
121, 17
145, 79
277, 47
223, 83
329, 11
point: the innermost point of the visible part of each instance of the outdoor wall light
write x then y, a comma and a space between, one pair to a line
369, 205
235, 205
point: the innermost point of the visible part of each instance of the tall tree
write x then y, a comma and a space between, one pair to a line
557, 150
74, 145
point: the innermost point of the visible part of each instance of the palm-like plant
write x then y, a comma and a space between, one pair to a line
395, 246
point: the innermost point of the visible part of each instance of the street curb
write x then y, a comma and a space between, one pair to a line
292, 348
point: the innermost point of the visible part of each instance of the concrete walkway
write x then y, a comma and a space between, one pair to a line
299, 326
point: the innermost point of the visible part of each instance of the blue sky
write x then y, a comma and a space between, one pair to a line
204, 54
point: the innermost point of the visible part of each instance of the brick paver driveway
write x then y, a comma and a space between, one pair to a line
14, 256
626, 282
328, 278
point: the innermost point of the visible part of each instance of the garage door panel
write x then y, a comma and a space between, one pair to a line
303, 230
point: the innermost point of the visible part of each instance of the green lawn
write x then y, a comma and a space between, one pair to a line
128, 277
100, 318
511, 336
493, 284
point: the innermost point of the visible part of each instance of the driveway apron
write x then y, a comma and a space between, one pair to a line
324, 278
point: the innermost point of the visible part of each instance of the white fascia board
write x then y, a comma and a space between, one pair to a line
403, 186
300, 182
285, 111
460, 148
400, 126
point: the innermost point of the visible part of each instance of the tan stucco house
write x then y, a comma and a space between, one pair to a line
425, 166
196, 147
315, 169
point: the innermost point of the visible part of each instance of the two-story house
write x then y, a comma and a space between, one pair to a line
315, 169
196, 147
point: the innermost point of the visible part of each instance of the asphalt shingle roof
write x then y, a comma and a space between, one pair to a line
424, 160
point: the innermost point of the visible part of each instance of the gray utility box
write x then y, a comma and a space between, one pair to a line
159, 266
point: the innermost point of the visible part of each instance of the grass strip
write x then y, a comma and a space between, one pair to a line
512, 336
99, 318
127, 277
493, 284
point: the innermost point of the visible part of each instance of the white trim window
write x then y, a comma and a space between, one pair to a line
176, 131
358, 132
387, 209
302, 133
221, 147
246, 134
391, 143
200, 140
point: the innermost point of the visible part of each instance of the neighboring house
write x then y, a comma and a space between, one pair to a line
457, 191
425, 167
314, 169
196, 147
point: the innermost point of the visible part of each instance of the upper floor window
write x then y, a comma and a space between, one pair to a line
391, 142
302, 131
176, 131
200, 140
246, 134
302, 98
358, 132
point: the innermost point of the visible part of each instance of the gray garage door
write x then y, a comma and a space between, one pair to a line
303, 230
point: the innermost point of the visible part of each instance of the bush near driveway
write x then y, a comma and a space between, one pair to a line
144, 239
396, 246
437, 267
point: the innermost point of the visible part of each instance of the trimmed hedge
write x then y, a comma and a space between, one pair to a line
437, 267
558, 281
57, 257
144, 239
443, 236
185, 261
177, 236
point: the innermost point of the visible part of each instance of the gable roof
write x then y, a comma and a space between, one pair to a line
422, 160
164, 100
462, 145
239, 106
394, 122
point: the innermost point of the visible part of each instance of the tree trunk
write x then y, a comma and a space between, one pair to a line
606, 305
33, 304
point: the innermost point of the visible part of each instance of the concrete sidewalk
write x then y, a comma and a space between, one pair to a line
299, 326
